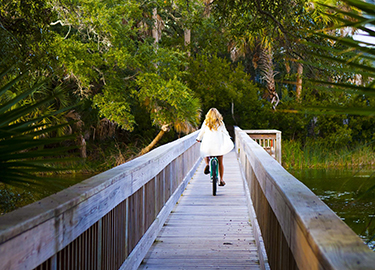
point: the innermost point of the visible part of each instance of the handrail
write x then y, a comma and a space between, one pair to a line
269, 139
108, 221
299, 231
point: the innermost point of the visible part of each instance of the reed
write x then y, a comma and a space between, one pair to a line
314, 154
293, 156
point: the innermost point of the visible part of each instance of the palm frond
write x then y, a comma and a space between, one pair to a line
11, 83
348, 57
24, 138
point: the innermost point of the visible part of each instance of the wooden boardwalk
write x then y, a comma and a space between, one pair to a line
205, 231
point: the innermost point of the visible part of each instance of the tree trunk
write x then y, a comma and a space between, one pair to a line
299, 81
207, 8
232, 111
83, 146
147, 149
269, 73
187, 39
155, 29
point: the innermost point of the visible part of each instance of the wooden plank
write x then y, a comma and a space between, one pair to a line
159, 189
261, 131
174, 175
167, 182
262, 136
205, 231
135, 219
150, 198
278, 148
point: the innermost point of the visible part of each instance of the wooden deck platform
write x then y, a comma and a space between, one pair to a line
205, 231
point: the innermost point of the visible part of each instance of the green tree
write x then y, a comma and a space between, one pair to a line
25, 35
168, 99
107, 50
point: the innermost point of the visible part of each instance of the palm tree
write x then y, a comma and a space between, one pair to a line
23, 138
263, 59
269, 73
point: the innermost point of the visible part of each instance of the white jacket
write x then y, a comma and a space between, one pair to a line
214, 142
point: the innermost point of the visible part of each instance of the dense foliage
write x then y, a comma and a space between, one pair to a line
134, 69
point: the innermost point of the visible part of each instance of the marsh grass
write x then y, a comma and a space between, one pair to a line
316, 155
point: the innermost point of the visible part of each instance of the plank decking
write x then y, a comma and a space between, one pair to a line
207, 232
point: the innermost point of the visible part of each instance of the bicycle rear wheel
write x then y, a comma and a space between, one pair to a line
214, 175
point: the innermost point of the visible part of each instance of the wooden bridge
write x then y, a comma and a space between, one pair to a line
157, 212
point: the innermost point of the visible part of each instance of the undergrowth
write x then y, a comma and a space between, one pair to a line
108, 154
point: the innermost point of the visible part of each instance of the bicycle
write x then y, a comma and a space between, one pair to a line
214, 173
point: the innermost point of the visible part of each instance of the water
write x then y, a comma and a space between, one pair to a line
12, 198
350, 193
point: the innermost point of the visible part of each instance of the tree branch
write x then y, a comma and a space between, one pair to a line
281, 27
60, 22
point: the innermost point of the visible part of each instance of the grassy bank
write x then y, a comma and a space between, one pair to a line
314, 155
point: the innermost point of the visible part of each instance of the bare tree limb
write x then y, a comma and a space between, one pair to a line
67, 34
59, 22
130, 77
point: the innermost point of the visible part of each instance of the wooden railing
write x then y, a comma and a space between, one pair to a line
106, 222
299, 231
269, 139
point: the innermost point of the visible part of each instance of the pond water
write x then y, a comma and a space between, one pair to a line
12, 198
350, 193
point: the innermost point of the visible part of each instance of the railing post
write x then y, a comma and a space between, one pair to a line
127, 228
54, 262
144, 208
100, 239
264, 138
278, 147
163, 176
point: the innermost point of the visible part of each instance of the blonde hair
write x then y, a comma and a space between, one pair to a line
213, 119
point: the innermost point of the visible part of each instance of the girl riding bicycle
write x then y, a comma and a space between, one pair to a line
215, 140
